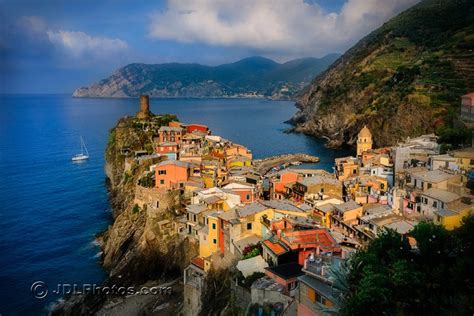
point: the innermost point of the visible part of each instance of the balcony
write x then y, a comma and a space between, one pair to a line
321, 266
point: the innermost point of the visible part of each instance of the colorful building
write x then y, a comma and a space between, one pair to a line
315, 290
172, 174
247, 192
168, 149
315, 188
287, 275
170, 134
190, 128
346, 168
237, 150
278, 183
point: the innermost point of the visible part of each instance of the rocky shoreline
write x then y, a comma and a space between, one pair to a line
134, 253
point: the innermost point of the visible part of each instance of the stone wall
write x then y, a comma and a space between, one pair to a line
156, 201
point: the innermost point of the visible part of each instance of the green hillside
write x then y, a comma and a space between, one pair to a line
404, 79
256, 76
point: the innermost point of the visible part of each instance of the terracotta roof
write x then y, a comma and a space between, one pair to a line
198, 262
276, 248
310, 238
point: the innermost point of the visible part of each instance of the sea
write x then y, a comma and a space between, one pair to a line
51, 208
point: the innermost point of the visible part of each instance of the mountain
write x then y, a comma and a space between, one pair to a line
403, 79
253, 76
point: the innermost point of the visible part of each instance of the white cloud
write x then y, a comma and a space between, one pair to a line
286, 26
79, 44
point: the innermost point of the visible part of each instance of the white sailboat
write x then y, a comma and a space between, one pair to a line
82, 155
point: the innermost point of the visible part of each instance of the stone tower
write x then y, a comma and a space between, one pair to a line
144, 112
364, 141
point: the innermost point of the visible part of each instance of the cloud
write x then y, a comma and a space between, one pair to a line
79, 44
286, 26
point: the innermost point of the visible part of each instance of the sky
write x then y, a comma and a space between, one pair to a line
55, 46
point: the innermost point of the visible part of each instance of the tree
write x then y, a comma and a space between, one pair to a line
389, 277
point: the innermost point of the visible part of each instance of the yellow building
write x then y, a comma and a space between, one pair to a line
209, 236
364, 140
464, 158
347, 167
452, 218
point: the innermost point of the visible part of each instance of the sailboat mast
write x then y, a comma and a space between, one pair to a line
83, 146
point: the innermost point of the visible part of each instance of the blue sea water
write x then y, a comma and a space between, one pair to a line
51, 208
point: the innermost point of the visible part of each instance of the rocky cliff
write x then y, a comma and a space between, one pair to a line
249, 77
403, 79
137, 249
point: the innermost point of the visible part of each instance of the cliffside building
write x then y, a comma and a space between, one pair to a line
364, 141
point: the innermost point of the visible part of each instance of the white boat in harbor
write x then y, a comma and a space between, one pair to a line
84, 155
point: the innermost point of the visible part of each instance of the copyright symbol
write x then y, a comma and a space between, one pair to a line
39, 289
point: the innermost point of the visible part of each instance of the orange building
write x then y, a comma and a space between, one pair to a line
170, 134
346, 168
246, 192
277, 184
306, 242
169, 149
238, 150
171, 174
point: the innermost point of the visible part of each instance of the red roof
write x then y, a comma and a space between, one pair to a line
276, 248
198, 262
310, 239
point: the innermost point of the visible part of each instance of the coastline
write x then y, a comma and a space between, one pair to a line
189, 97
133, 252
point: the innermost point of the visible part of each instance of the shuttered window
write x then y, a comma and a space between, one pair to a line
311, 294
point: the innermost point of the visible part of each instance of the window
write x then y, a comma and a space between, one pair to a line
247, 197
311, 295
161, 171
435, 204
213, 225
194, 217
249, 226
321, 190
429, 185
162, 181
214, 241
